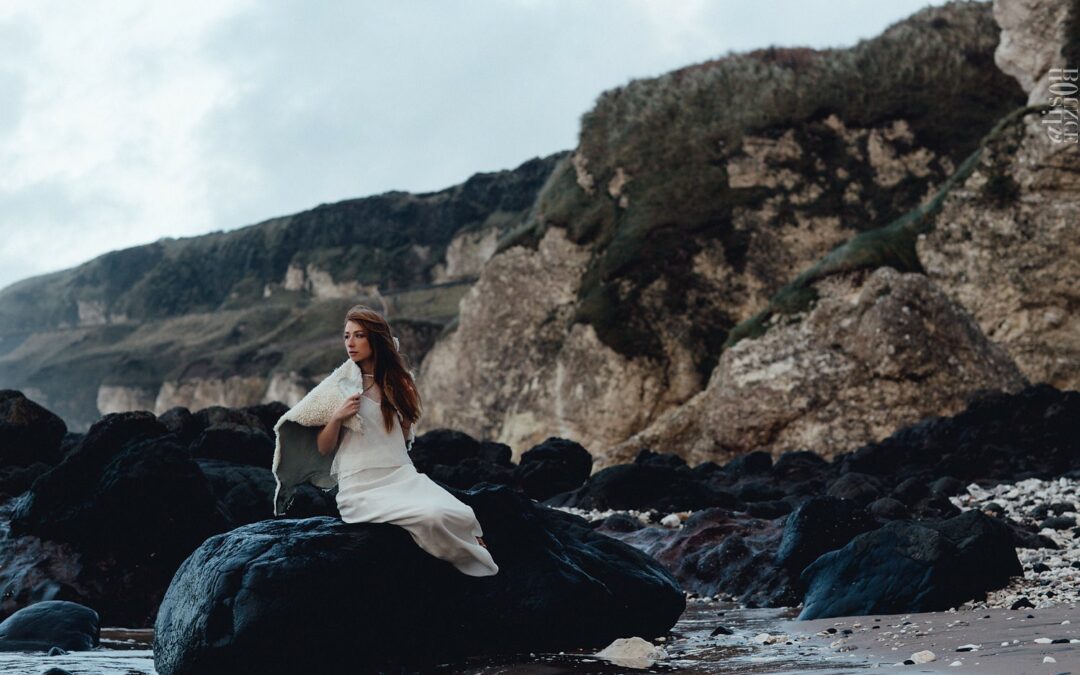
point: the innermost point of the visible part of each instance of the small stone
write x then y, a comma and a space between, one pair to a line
925, 656
955, 664
1049, 659
1042, 641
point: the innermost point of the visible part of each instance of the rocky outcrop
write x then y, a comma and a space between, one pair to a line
877, 350
466, 255
510, 328
196, 393
1034, 34
1006, 245
690, 200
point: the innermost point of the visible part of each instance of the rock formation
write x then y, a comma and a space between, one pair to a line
692, 199
1007, 244
877, 351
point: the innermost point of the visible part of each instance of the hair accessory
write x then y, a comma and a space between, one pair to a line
397, 344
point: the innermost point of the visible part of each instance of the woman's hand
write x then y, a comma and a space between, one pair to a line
350, 407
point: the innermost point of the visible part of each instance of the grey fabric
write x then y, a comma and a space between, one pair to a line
297, 459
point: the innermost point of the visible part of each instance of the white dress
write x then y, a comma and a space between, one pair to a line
378, 483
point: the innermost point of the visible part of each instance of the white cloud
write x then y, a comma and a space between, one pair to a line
122, 122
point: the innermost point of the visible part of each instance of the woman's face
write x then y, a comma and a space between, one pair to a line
356, 341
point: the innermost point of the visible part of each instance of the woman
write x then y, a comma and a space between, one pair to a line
367, 430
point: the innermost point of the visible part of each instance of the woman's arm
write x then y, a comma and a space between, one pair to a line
329, 437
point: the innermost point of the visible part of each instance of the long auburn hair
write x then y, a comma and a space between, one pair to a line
391, 372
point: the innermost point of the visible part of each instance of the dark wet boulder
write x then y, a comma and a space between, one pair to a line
15, 480
218, 414
907, 566
320, 595
450, 447
750, 464
946, 486
50, 623
758, 490
235, 443
130, 491
244, 494
911, 490
644, 486
554, 466
458, 460
470, 472
860, 488
28, 432
267, 413
798, 466
776, 508
668, 459
819, 525
888, 508
181, 422
706, 470
717, 552
620, 522
312, 501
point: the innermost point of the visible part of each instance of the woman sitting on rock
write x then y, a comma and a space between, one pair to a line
355, 429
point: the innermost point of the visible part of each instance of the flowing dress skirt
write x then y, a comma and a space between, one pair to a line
438, 522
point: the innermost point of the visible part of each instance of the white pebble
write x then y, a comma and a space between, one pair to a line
1043, 641
1049, 659
925, 656
955, 663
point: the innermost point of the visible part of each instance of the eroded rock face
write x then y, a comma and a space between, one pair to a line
1006, 245
1032, 33
488, 377
202, 392
685, 213
876, 352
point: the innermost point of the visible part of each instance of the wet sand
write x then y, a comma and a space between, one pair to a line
745, 641
988, 641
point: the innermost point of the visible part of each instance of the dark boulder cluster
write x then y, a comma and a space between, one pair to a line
111, 514
761, 528
106, 517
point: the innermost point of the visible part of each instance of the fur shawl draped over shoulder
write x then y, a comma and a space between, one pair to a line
297, 458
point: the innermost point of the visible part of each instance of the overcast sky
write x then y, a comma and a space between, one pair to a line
124, 122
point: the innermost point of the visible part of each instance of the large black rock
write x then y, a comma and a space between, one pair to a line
910, 566
320, 595
644, 486
50, 623
28, 432
819, 525
129, 491
554, 466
